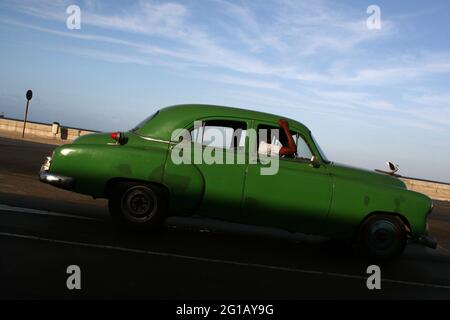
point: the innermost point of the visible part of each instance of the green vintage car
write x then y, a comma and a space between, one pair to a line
141, 174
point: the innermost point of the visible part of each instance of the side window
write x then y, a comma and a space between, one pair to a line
273, 135
303, 150
270, 139
196, 135
224, 134
276, 137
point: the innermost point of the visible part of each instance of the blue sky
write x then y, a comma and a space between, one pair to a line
368, 95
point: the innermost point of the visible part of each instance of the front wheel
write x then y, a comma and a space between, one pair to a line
137, 205
383, 237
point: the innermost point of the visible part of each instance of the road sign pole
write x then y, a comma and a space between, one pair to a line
25, 121
29, 95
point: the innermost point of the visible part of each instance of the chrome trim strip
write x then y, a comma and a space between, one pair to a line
154, 139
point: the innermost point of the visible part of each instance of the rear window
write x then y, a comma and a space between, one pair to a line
142, 123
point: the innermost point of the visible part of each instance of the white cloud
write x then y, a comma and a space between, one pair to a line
431, 100
385, 72
310, 52
291, 30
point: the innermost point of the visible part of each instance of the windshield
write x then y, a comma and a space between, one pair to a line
142, 123
322, 154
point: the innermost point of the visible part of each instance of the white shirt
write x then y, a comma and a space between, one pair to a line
268, 149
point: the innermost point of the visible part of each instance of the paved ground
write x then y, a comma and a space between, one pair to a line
43, 230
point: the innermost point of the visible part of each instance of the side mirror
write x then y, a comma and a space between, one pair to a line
314, 162
394, 168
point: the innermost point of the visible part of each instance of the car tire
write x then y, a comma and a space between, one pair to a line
383, 237
137, 205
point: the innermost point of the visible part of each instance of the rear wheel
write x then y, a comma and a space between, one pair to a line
383, 237
137, 205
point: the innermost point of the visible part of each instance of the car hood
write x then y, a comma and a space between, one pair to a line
350, 172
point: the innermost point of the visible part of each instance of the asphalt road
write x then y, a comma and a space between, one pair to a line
43, 230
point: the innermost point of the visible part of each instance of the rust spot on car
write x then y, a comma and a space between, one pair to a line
366, 200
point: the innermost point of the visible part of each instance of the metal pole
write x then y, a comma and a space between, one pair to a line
25, 121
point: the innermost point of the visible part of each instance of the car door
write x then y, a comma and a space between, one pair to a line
297, 197
217, 156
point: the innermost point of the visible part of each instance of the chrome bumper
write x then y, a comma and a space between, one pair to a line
56, 180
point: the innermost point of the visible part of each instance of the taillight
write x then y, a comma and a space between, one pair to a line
119, 137
116, 136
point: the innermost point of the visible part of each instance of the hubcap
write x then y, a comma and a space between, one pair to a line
382, 235
139, 204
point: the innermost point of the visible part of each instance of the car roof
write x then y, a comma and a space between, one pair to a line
180, 116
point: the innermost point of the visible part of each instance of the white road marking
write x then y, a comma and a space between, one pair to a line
4, 207
219, 261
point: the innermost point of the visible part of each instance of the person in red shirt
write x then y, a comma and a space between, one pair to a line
291, 148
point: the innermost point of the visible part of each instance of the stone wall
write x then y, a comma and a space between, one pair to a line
41, 130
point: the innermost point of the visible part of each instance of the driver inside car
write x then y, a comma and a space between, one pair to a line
285, 148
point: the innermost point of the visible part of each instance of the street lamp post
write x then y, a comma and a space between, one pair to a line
29, 96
